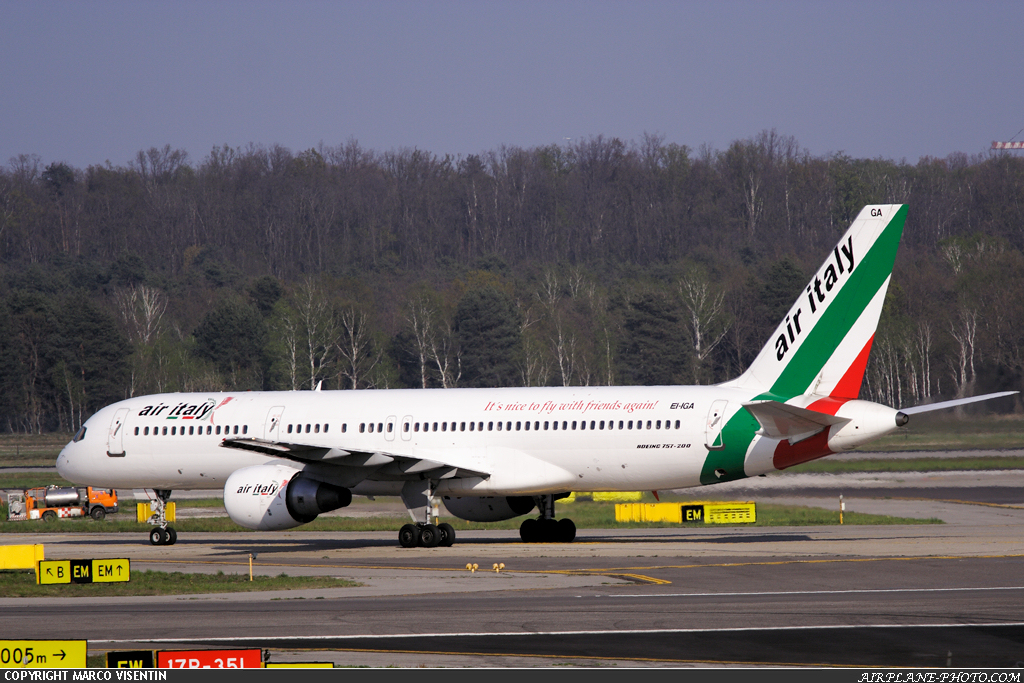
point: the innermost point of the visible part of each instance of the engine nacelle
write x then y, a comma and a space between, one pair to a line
493, 509
274, 497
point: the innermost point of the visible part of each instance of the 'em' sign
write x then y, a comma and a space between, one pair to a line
83, 571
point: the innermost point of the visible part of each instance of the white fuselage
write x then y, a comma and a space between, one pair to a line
529, 440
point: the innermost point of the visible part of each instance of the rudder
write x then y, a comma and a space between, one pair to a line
822, 345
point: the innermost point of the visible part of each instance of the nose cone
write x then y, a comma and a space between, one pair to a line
68, 466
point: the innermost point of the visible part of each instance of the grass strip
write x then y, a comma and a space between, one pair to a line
31, 450
30, 480
585, 514
22, 584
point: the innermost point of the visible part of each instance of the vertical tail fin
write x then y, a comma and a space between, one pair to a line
822, 346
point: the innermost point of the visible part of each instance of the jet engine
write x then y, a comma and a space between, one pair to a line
274, 497
494, 509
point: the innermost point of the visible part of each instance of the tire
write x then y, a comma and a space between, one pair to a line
566, 530
49, 516
409, 536
549, 532
447, 534
98, 513
172, 536
430, 536
158, 536
529, 530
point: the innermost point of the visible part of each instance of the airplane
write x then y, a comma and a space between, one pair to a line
284, 457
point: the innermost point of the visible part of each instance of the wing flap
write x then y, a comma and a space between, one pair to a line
379, 465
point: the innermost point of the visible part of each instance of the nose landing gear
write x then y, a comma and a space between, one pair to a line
161, 534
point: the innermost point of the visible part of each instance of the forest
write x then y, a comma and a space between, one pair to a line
600, 261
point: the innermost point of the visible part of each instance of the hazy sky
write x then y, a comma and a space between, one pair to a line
88, 82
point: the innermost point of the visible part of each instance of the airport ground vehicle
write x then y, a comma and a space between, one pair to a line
50, 502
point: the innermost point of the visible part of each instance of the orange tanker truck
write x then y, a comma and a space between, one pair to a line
50, 502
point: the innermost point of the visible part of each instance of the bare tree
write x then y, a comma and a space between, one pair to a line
964, 331
445, 354
319, 327
356, 348
922, 345
706, 324
141, 309
421, 317
288, 332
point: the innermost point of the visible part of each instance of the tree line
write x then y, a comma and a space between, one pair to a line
595, 262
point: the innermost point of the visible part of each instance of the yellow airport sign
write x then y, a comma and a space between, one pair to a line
42, 654
111, 571
682, 513
83, 571
53, 571
20, 556
131, 659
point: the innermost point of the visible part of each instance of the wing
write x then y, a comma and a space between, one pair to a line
376, 465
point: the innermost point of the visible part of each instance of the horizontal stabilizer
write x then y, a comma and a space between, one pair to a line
954, 403
781, 421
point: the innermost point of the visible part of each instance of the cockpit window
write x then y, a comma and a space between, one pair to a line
79, 435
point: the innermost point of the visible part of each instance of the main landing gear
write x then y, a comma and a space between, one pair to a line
426, 535
546, 529
416, 496
161, 534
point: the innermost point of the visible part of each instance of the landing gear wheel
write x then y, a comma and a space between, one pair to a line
447, 534
409, 536
547, 531
529, 530
98, 513
158, 536
172, 536
430, 536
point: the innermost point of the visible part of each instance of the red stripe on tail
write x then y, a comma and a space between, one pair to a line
849, 385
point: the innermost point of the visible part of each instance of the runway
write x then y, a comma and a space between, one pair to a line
904, 595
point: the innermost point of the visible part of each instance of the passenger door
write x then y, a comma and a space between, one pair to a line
115, 439
713, 435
